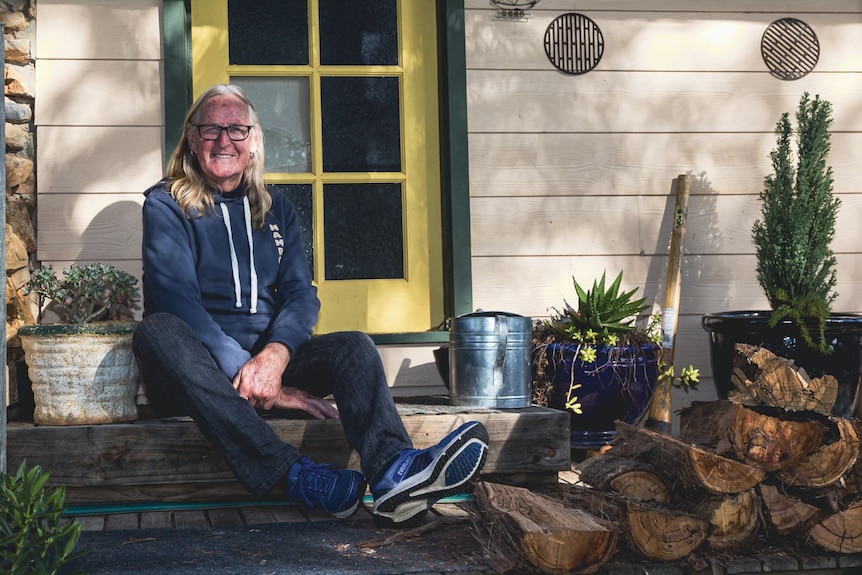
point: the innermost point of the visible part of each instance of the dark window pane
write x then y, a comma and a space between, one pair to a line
362, 230
358, 33
300, 196
361, 124
268, 32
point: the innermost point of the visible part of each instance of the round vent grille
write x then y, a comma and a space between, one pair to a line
790, 48
574, 43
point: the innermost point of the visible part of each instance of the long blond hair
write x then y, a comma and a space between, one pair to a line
187, 183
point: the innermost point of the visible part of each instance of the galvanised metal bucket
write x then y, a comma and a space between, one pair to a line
489, 360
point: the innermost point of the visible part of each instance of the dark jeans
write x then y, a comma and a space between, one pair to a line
182, 378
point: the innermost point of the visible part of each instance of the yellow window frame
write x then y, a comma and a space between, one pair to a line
411, 304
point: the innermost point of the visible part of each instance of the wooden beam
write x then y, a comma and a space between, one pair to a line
171, 460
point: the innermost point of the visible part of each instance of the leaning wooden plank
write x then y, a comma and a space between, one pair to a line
549, 536
683, 463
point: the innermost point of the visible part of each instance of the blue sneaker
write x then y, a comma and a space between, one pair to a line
419, 477
335, 491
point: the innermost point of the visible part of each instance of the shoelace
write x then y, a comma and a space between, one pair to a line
314, 481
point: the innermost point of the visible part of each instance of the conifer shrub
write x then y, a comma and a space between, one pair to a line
795, 265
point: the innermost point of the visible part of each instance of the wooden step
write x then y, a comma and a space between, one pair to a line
170, 460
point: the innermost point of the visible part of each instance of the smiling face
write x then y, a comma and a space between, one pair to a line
223, 160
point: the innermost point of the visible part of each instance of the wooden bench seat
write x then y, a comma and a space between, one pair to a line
170, 460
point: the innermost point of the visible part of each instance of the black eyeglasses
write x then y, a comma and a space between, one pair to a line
235, 132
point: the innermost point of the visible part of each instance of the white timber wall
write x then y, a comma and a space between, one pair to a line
571, 175
99, 127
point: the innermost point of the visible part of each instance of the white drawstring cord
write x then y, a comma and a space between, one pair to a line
233, 261
252, 270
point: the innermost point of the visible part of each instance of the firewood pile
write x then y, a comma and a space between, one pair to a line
770, 466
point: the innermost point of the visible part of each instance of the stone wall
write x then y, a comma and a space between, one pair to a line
19, 18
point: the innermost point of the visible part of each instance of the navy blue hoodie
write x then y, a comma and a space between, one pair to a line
200, 270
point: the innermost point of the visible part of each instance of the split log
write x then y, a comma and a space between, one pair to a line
764, 441
828, 464
841, 532
691, 466
624, 475
785, 513
661, 533
549, 536
654, 531
734, 520
772, 443
763, 378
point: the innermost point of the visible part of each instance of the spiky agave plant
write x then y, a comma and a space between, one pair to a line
602, 313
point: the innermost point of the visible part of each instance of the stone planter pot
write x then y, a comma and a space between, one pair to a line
618, 385
81, 375
843, 332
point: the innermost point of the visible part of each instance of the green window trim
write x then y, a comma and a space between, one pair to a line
455, 177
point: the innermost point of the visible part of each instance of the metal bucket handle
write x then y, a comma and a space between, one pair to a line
502, 329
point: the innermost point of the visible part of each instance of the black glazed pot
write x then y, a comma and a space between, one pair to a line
843, 333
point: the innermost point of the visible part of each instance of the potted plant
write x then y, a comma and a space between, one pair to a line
82, 369
595, 362
796, 267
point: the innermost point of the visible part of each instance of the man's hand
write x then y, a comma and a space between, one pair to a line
317, 407
259, 380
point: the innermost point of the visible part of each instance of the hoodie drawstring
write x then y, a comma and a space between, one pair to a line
252, 270
234, 263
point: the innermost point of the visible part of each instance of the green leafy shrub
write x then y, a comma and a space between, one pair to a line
33, 539
87, 293
795, 265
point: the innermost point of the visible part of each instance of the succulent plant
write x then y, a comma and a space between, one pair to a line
87, 293
601, 312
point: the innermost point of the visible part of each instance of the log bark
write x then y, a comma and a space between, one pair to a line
763, 378
688, 465
709, 424
549, 536
624, 475
786, 514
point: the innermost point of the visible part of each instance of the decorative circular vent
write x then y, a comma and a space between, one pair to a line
574, 43
790, 48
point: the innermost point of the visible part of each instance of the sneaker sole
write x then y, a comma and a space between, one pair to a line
464, 455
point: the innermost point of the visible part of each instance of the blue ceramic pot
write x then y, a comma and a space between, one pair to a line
618, 385
843, 333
